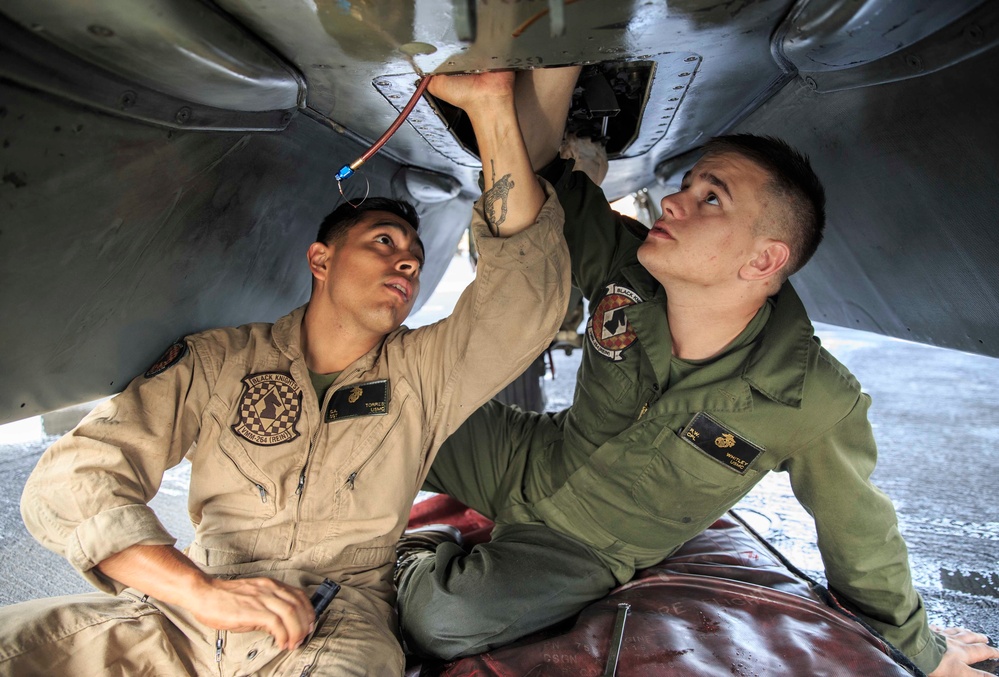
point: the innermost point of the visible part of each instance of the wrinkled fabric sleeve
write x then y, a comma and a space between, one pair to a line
865, 556
86, 498
502, 321
598, 239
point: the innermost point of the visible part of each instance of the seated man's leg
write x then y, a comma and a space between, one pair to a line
479, 463
528, 577
94, 634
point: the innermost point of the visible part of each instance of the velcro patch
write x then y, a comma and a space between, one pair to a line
608, 328
359, 399
720, 443
269, 410
171, 356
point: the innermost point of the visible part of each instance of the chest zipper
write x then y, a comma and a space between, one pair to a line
218, 646
308, 458
263, 493
350, 480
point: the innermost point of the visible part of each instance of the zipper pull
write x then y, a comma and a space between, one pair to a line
218, 646
645, 408
301, 483
263, 493
351, 478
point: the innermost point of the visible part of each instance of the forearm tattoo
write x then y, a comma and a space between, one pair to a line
495, 200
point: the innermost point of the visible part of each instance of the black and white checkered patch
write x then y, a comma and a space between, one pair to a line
269, 410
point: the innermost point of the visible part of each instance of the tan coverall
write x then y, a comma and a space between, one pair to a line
280, 486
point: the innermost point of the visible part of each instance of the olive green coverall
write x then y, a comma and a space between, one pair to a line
651, 452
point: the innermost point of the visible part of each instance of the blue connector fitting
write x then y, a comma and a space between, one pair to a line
345, 173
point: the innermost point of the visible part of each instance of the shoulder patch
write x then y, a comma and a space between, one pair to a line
269, 410
174, 354
731, 450
359, 399
608, 328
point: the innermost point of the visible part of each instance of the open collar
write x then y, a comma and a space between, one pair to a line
774, 365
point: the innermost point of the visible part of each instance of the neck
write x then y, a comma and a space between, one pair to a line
701, 325
331, 344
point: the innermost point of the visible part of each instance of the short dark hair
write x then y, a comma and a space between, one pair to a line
794, 185
339, 221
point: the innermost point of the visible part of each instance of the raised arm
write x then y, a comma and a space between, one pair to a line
512, 197
543, 96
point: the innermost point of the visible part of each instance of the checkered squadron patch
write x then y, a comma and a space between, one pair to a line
270, 409
608, 328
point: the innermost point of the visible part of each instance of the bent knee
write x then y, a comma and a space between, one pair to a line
444, 634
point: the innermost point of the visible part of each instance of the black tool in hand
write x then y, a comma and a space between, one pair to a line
323, 595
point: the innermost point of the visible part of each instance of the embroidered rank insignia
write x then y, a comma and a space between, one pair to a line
172, 356
608, 328
270, 408
721, 444
360, 399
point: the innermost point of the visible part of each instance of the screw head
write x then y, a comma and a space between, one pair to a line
183, 115
127, 99
974, 34
811, 83
914, 62
100, 31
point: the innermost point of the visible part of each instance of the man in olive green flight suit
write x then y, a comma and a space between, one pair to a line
700, 374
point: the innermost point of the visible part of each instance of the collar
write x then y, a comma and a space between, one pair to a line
287, 336
778, 362
775, 365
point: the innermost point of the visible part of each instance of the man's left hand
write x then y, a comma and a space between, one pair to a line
964, 648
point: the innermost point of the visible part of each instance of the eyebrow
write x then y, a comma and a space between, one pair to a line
402, 229
710, 178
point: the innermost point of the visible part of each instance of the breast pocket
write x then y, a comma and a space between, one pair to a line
684, 486
228, 480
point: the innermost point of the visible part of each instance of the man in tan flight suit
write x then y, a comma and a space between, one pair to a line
308, 441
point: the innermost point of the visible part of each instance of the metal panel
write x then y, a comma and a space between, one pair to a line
182, 48
910, 171
118, 237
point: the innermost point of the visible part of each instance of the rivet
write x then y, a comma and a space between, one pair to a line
286, 117
811, 83
678, 87
127, 99
684, 75
183, 115
914, 62
251, 655
975, 34
690, 59
100, 31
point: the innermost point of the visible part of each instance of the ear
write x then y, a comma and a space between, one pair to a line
318, 255
769, 261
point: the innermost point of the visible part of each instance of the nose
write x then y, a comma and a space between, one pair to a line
674, 205
408, 264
